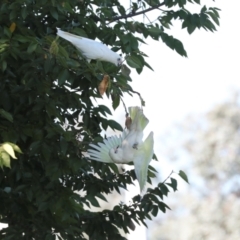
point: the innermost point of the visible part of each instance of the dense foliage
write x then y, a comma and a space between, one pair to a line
45, 88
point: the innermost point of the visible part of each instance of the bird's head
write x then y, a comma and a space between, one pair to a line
119, 62
116, 154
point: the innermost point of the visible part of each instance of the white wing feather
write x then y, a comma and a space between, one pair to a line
100, 151
142, 158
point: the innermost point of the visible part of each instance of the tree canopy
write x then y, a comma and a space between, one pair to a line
46, 109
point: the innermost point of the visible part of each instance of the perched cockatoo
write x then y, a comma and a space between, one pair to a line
91, 49
129, 147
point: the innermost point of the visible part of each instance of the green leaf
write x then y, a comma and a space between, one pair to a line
72, 63
54, 13
173, 184
63, 145
43, 206
214, 17
93, 201
191, 29
155, 31
181, 3
4, 65
115, 101
104, 109
183, 175
32, 47
6, 115
13, 15
80, 32
46, 151
113, 167
204, 9
147, 65
155, 210
62, 77
162, 206
34, 147
114, 125
133, 61
152, 169
159, 193
163, 188
24, 12
155, 157
101, 196
125, 70
179, 48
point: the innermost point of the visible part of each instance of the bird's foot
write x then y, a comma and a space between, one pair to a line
116, 149
135, 145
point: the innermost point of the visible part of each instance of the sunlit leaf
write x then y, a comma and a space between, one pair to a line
9, 149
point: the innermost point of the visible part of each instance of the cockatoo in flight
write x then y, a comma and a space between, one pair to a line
91, 49
129, 147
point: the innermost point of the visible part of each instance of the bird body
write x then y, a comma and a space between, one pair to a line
129, 147
91, 49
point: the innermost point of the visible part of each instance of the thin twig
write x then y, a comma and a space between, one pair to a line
135, 14
141, 99
124, 105
167, 177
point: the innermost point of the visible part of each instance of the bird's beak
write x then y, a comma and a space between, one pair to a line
120, 62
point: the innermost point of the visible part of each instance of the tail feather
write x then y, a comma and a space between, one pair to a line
68, 36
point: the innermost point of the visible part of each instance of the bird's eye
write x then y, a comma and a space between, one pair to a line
119, 60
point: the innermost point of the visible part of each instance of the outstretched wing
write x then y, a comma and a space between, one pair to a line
100, 151
142, 158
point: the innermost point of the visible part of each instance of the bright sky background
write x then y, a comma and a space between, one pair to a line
181, 86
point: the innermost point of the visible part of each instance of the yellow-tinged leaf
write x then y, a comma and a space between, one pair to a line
15, 147
9, 149
54, 48
12, 27
5, 159
103, 85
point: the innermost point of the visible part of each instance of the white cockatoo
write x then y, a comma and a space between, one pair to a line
129, 147
91, 49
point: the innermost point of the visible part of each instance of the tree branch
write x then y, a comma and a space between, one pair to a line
167, 177
136, 13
